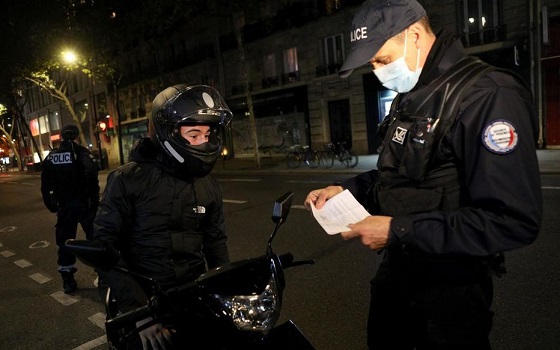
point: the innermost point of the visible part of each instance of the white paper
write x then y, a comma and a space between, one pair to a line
339, 212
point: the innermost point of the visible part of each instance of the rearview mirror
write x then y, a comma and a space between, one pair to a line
282, 208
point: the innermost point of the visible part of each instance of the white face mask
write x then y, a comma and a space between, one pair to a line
396, 75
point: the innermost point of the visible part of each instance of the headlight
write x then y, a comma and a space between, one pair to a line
254, 312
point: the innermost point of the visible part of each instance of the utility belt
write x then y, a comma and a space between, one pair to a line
443, 269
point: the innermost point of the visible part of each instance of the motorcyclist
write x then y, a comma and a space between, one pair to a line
162, 212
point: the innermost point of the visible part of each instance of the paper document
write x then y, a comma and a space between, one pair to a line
339, 212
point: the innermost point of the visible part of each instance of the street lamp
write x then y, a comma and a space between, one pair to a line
69, 57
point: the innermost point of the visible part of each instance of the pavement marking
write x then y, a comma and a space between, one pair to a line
8, 229
299, 206
92, 344
64, 299
239, 180
98, 319
39, 278
550, 188
39, 244
233, 201
7, 253
23, 263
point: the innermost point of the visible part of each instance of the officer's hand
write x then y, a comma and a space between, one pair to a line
155, 337
373, 231
319, 197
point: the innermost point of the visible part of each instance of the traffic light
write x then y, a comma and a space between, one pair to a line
101, 126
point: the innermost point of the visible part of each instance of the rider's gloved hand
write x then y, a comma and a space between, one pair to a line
155, 337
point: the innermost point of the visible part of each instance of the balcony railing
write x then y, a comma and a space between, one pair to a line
283, 79
485, 36
324, 70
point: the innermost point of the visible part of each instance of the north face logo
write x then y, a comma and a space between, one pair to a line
199, 209
399, 135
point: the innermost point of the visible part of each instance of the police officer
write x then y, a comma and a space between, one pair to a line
70, 188
457, 182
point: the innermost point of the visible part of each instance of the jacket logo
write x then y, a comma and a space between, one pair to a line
199, 209
399, 135
60, 158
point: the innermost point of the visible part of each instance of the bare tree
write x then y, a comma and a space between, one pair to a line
52, 80
6, 132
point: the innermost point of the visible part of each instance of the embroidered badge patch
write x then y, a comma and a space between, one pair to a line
500, 137
399, 135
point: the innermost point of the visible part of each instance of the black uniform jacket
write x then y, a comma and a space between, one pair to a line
69, 174
496, 199
164, 227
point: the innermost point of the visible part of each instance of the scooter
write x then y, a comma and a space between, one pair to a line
234, 306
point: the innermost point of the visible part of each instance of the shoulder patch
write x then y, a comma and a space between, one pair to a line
500, 137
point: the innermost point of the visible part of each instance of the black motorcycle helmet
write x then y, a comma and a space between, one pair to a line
181, 105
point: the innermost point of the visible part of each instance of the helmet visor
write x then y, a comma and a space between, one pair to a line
200, 107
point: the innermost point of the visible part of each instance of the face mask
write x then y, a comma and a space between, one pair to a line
396, 75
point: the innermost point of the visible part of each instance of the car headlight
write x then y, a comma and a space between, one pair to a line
254, 312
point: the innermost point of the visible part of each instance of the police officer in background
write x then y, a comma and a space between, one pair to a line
457, 182
70, 188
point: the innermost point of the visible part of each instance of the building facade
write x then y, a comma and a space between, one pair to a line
292, 52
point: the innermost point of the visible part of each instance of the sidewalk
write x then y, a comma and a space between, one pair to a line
549, 162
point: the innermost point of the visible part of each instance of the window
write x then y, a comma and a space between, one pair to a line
54, 120
270, 66
34, 126
290, 60
44, 124
480, 22
291, 70
333, 54
332, 6
270, 78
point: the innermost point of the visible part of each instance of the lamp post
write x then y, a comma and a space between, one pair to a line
100, 127
224, 157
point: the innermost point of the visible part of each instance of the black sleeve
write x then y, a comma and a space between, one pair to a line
91, 173
110, 223
48, 186
215, 239
501, 189
362, 188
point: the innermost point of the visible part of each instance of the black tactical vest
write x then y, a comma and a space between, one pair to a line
417, 170
65, 171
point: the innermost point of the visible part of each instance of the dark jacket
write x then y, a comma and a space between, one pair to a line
69, 174
165, 227
488, 201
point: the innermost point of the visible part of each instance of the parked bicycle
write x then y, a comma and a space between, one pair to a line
331, 152
299, 154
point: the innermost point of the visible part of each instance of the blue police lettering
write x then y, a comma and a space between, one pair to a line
61, 158
359, 33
